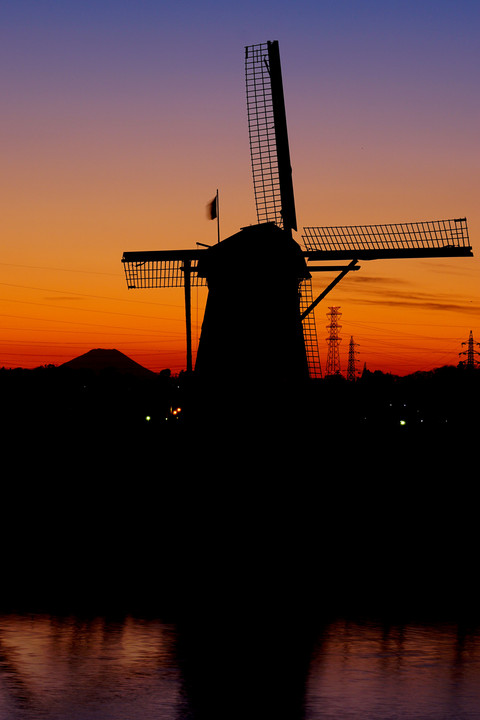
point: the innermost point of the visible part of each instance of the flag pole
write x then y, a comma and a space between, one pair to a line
218, 219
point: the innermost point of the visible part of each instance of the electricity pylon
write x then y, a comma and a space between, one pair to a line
333, 341
470, 352
351, 368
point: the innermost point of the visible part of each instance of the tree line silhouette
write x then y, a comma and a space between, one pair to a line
82, 403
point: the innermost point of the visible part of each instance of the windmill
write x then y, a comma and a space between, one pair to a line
259, 315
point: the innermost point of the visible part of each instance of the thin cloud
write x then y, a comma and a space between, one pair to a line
383, 291
417, 302
443, 268
378, 280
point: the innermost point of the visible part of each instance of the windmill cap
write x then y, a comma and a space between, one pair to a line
254, 251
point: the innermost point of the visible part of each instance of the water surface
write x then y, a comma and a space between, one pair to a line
378, 671
96, 668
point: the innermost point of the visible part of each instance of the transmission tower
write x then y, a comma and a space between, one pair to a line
351, 368
333, 341
470, 352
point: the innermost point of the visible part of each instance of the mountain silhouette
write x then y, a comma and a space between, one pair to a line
100, 359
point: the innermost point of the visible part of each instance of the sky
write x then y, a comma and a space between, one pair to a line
121, 118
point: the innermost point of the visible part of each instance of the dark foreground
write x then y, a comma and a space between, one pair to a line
263, 505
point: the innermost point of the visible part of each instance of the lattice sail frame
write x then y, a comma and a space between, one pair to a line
161, 269
261, 130
309, 329
433, 237
268, 137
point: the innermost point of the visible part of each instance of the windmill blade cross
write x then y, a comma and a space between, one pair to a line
268, 250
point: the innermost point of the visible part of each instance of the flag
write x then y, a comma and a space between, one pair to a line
212, 209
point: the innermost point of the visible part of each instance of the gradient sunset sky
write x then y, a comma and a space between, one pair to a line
121, 118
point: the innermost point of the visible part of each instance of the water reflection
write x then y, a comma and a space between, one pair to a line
58, 667
379, 671
244, 666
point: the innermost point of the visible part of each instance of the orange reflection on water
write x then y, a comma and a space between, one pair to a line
367, 670
57, 666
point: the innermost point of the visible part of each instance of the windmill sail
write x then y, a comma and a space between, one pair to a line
269, 149
162, 268
433, 238
309, 328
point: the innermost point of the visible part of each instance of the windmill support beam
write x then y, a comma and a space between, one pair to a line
330, 268
389, 254
188, 312
344, 271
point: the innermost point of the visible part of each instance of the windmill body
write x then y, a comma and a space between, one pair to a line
252, 329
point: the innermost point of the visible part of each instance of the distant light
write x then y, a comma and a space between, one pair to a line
403, 422
148, 418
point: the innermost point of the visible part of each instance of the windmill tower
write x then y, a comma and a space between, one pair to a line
258, 321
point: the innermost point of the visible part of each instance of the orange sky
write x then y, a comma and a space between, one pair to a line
117, 130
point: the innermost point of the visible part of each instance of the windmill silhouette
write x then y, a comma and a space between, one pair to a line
259, 315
